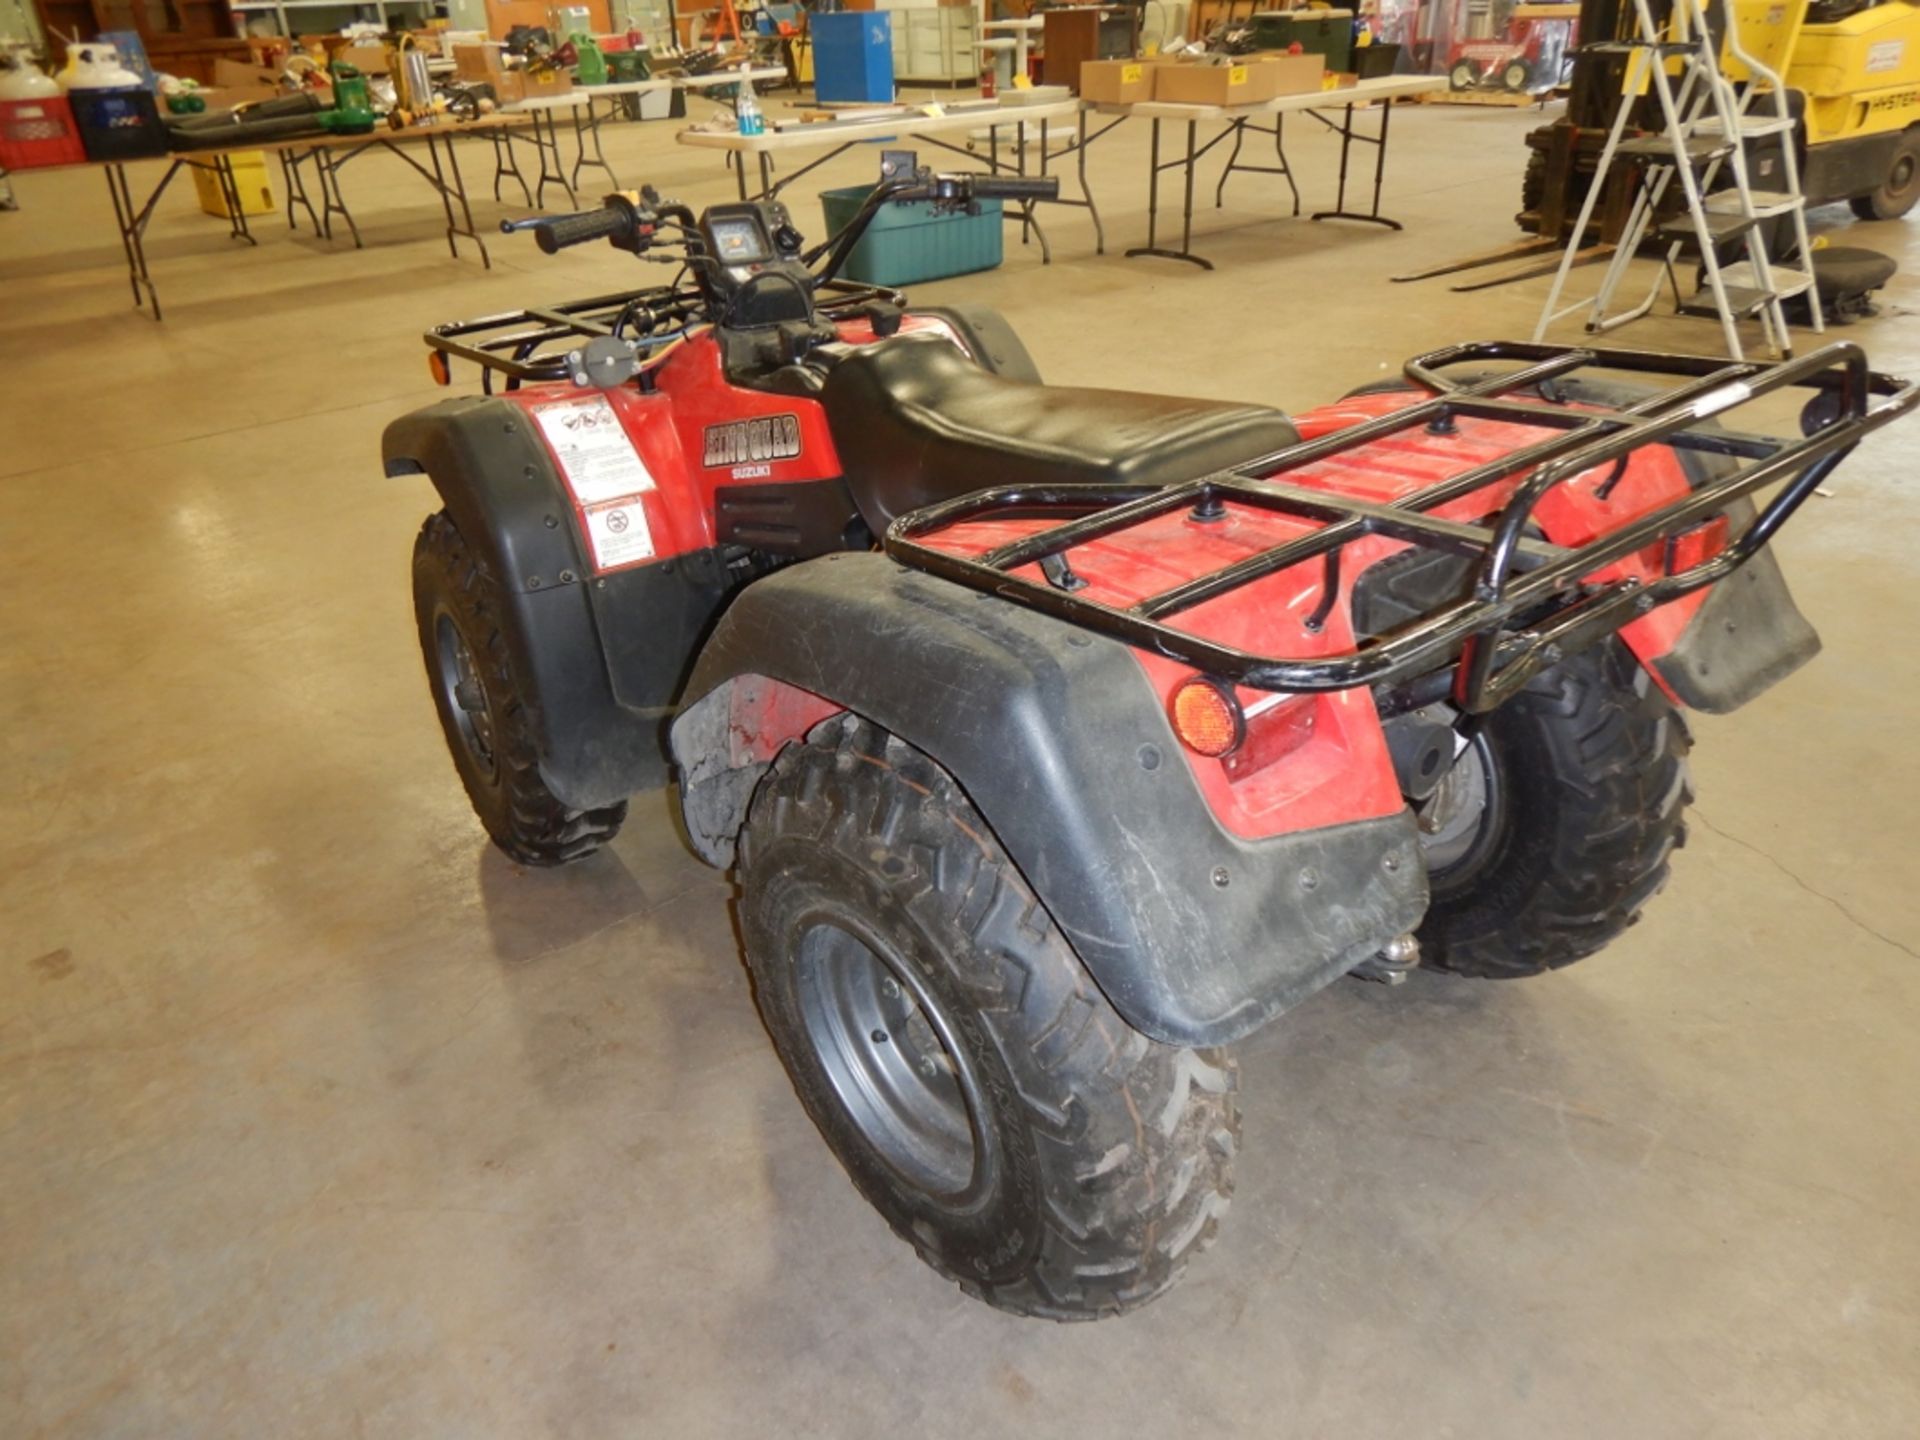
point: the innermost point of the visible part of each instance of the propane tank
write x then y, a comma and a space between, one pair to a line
20, 78
96, 66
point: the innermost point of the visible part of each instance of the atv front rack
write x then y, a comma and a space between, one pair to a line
1528, 607
532, 344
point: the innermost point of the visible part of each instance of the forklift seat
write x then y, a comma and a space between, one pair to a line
917, 422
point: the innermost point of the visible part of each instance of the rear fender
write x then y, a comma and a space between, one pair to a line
1198, 936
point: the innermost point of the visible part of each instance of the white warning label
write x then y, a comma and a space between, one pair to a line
618, 533
593, 450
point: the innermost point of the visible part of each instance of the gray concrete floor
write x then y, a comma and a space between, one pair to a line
320, 1118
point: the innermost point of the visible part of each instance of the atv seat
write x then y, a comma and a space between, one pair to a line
917, 422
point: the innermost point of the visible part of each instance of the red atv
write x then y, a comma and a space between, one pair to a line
1061, 738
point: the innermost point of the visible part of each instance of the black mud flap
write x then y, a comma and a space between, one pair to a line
1747, 636
1196, 935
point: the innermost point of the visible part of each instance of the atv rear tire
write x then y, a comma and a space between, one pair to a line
975, 1083
1582, 781
482, 708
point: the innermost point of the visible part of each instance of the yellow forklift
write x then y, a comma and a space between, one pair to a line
1858, 65
1852, 71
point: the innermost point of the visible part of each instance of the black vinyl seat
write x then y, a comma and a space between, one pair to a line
916, 422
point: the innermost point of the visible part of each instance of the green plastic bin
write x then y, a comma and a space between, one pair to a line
908, 243
1326, 33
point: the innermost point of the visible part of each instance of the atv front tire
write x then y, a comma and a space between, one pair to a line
1555, 825
954, 1052
482, 707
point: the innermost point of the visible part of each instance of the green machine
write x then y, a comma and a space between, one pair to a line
352, 112
590, 64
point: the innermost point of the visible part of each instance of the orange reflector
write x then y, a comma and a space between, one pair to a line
437, 367
1206, 717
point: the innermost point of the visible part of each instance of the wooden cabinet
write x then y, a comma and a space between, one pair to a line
182, 37
1071, 37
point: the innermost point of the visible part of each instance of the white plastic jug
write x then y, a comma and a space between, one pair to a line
94, 66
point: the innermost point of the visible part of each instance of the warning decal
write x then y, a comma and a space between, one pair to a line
618, 533
593, 450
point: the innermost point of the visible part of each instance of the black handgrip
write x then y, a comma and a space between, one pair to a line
555, 235
1017, 187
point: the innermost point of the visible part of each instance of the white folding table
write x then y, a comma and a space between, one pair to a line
1238, 119
839, 136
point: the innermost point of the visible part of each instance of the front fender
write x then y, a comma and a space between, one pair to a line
499, 486
1197, 936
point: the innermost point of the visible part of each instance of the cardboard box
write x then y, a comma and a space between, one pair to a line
233, 75
1116, 82
515, 85
367, 59
478, 62
235, 83
1293, 74
1239, 84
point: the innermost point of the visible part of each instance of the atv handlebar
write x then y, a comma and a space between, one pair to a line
564, 230
1016, 187
628, 225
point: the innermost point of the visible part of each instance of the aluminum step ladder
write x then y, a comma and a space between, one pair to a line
1705, 128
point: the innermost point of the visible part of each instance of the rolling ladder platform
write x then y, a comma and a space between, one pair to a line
1705, 125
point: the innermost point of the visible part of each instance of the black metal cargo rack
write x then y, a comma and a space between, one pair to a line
1528, 607
532, 344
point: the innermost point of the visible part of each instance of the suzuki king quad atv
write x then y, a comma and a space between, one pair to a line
1060, 738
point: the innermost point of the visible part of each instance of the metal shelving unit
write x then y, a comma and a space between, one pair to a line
280, 8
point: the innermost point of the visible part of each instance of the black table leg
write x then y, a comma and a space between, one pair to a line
582, 132
123, 222
546, 140
506, 161
290, 163
230, 195
1186, 214
444, 192
1080, 166
1348, 135
1220, 190
133, 226
460, 194
1286, 165
1190, 164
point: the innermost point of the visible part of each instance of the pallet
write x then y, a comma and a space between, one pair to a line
1506, 99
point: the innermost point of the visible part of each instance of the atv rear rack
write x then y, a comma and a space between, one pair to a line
1528, 608
532, 344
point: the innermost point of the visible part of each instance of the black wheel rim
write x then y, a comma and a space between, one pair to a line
463, 694
890, 1054
1901, 180
1460, 820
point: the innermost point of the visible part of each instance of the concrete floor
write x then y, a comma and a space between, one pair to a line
322, 1119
